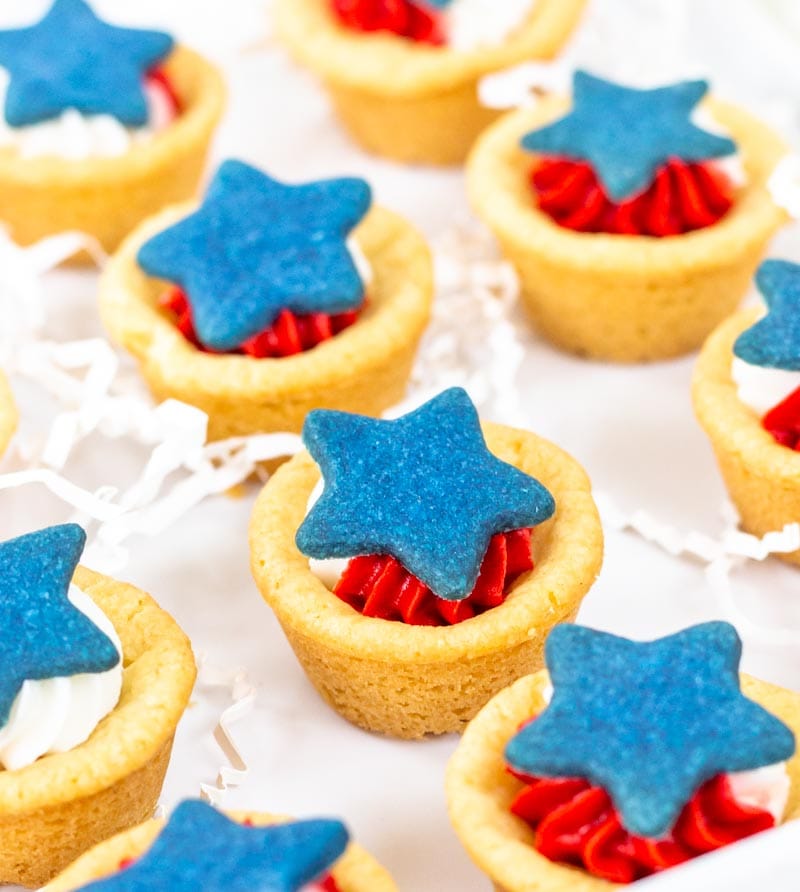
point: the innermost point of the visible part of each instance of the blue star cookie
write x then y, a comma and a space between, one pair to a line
650, 722
627, 134
256, 247
423, 488
42, 635
774, 341
199, 848
73, 59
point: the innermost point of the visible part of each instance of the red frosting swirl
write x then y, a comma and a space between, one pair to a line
783, 422
400, 17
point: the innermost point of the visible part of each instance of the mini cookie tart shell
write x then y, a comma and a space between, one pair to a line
618, 297
8, 414
480, 790
362, 369
356, 871
409, 681
61, 805
762, 476
108, 197
405, 100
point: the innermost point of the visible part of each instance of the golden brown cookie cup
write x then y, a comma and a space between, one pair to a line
108, 197
357, 871
62, 804
8, 414
408, 101
762, 476
408, 681
617, 297
480, 790
363, 369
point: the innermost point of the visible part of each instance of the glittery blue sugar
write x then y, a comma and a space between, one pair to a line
774, 341
256, 247
650, 722
73, 59
200, 848
43, 635
423, 488
626, 134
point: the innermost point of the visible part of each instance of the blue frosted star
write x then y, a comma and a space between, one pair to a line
774, 341
43, 634
626, 134
72, 59
650, 722
256, 247
200, 848
423, 488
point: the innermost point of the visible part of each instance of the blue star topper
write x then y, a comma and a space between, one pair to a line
627, 134
43, 634
200, 848
774, 341
650, 722
73, 59
256, 247
423, 488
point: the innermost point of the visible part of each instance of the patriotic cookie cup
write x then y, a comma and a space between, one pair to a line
761, 475
619, 297
480, 790
409, 681
356, 871
108, 197
364, 368
61, 805
408, 101
8, 414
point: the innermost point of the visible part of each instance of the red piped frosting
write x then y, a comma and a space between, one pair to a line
399, 17
683, 197
288, 335
379, 586
783, 422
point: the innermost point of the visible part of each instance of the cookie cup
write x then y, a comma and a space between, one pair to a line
61, 805
617, 297
408, 101
8, 414
480, 790
108, 197
363, 369
409, 681
761, 475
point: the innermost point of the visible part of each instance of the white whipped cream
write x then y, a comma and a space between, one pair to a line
328, 570
75, 137
731, 165
362, 264
473, 24
57, 714
762, 388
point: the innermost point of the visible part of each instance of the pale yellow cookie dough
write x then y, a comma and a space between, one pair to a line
480, 790
405, 100
617, 297
762, 476
363, 369
55, 809
408, 681
8, 414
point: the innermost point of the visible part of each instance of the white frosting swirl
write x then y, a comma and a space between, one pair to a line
57, 714
328, 570
762, 388
473, 24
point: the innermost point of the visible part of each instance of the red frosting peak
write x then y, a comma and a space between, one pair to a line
400, 17
783, 422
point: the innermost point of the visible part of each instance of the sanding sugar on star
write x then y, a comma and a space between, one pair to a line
71, 59
627, 134
650, 722
256, 247
423, 488
774, 341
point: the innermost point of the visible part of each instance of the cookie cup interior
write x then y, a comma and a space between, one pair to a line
618, 297
8, 414
480, 790
410, 101
62, 804
364, 368
409, 681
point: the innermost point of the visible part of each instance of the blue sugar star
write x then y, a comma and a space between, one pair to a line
649, 722
200, 848
774, 341
423, 488
256, 247
43, 634
72, 59
626, 134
